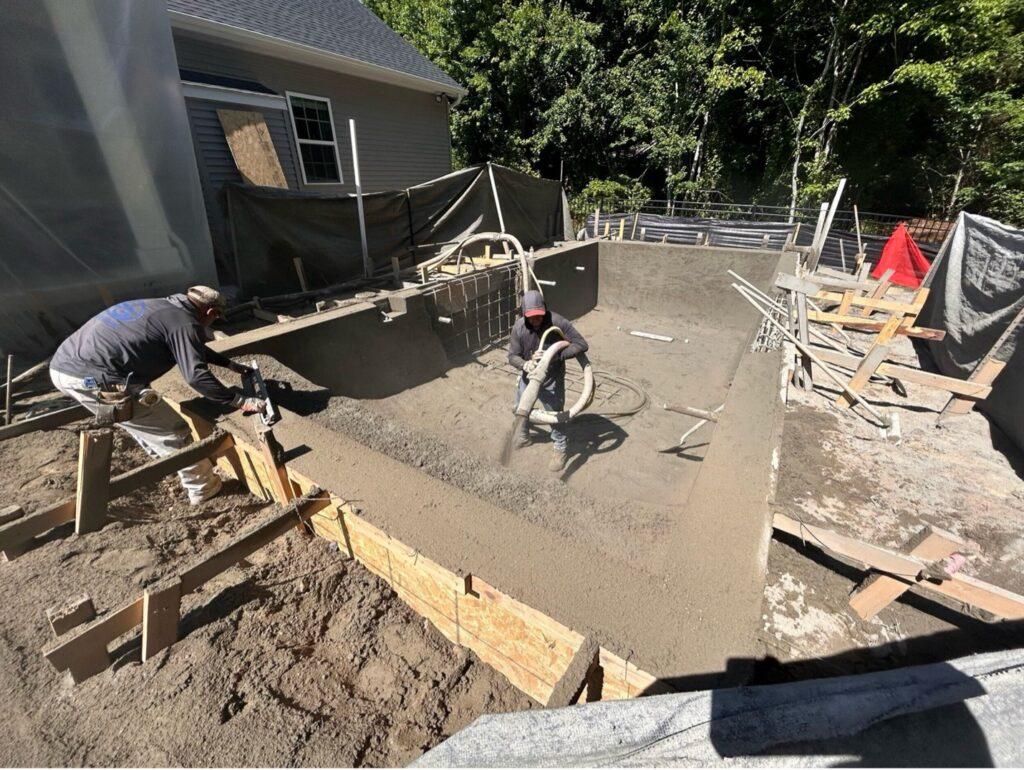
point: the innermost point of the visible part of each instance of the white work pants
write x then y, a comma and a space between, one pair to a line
158, 429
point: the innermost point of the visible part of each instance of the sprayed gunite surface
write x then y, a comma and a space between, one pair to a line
659, 555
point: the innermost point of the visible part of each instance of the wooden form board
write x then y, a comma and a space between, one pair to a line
252, 148
868, 325
529, 648
906, 568
966, 388
48, 421
16, 534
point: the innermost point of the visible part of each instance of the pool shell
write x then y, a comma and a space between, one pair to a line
684, 603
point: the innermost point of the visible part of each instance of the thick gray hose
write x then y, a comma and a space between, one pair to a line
525, 406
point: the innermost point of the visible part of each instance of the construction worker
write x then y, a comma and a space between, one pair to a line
524, 352
124, 348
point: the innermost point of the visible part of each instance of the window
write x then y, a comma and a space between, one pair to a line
314, 133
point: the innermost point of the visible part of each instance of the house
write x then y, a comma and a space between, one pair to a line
308, 66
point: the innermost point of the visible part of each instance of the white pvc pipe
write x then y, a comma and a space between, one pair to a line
367, 265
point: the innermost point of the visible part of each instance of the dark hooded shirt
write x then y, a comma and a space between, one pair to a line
525, 339
143, 339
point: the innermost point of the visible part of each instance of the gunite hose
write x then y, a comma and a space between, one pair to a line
536, 377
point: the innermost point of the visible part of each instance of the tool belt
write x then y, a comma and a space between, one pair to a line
114, 406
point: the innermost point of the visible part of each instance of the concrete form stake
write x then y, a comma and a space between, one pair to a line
7, 393
367, 265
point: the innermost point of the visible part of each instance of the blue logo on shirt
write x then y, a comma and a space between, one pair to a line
124, 313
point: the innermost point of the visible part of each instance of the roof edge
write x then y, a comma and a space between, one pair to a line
307, 54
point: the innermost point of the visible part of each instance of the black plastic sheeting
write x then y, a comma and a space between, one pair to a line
270, 227
745, 235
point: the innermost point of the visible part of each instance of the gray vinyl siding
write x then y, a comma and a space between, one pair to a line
403, 134
217, 167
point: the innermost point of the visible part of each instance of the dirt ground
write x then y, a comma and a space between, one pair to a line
838, 472
296, 657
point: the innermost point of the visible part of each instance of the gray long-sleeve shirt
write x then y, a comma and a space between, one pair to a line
525, 339
143, 339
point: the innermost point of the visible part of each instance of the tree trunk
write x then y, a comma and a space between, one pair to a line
794, 189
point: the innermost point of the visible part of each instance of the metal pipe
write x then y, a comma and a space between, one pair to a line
367, 265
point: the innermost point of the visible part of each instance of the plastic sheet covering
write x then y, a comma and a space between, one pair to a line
100, 198
966, 712
977, 289
271, 227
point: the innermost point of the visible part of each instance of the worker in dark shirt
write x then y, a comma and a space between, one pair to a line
524, 352
127, 346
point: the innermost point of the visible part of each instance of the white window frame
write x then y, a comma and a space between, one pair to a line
299, 142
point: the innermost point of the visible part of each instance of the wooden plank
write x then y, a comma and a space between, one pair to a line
909, 374
845, 302
63, 617
16, 533
887, 305
963, 588
985, 374
7, 390
863, 324
579, 674
11, 513
84, 651
93, 488
807, 380
252, 148
251, 539
152, 472
868, 365
879, 591
48, 421
872, 359
879, 291
986, 371
161, 611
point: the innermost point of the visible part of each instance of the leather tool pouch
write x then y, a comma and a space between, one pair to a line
115, 406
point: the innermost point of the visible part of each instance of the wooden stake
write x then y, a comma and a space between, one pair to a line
805, 338
7, 394
582, 669
94, 449
300, 271
161, 611
860, 245
984, 373
879, 591
632, 234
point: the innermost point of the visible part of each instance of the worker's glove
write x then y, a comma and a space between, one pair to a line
538, 354
241, 369
529, 366
253, 405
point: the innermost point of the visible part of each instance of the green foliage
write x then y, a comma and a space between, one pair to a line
920, 103
619, 194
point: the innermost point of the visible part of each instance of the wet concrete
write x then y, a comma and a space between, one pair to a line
664, 568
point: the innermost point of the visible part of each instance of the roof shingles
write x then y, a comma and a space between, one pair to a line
344, 27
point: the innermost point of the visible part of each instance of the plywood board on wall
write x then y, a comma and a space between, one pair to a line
252, 148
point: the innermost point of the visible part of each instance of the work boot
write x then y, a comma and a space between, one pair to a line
521, 440
557, 462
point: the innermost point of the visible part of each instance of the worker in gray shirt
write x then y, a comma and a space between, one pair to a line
127, 346
524, 352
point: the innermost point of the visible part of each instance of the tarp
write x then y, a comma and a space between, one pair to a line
270, 227
100, 199
965, 712
902, 255
977, 289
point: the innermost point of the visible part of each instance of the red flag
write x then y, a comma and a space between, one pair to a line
902, 255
